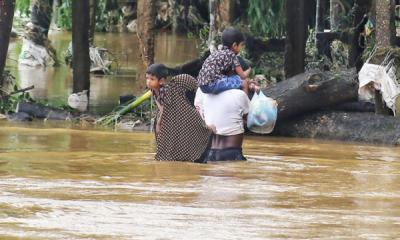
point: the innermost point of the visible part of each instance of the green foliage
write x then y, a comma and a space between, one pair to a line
64, 20
269, 64
346, 15
202, 35
106, 17
267, 17
118, 112
337, 61
9, 99
22, 6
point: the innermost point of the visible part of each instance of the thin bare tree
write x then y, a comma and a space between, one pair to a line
6, 18
146, 10
80, 45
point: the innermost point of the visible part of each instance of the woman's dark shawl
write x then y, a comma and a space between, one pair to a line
183, 134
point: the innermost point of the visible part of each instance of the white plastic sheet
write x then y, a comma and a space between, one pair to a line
380, 77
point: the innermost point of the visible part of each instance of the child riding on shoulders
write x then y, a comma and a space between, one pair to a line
214, 75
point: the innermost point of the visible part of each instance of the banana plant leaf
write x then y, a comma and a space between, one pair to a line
113, 117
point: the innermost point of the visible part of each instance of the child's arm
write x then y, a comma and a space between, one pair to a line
241, 73
160, 112
158, 124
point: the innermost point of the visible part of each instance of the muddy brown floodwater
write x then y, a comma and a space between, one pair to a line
71, 183
60, 181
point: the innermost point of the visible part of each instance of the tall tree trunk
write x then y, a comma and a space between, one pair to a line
6, 19
174, 6
385, 23
80, 45
320, 18
146, 10
385, 38
321, 9
186, 6
40, 19
213, 8
92, 28
334, 10
37, 33
356, 48
296, 37
54, 16
226, 13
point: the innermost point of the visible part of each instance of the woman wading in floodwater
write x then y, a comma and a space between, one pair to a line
181, 133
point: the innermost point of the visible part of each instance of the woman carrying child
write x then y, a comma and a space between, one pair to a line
181, 133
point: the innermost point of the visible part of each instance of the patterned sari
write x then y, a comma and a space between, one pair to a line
183, 134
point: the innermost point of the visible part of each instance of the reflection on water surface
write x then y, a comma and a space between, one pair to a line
55, 83
65, 183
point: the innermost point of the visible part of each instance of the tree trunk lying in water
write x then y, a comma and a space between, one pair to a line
344, 126
41, 111
311, 91
192, 67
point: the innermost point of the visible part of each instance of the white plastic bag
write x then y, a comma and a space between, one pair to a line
262, 114
79, 100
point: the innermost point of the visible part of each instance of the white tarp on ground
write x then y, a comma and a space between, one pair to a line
382, 78
34, 55
99, 60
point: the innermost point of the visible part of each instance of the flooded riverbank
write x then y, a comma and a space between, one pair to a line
55, 83
71, 183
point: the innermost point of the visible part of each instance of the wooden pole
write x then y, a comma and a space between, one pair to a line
6, 19
80, 45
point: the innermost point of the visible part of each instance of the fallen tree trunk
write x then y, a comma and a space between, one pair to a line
256, 47
41, 111
357, 106
343, 126
192, 67
312, 91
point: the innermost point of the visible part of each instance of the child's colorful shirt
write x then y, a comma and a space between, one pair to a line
217, 65
160, 95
